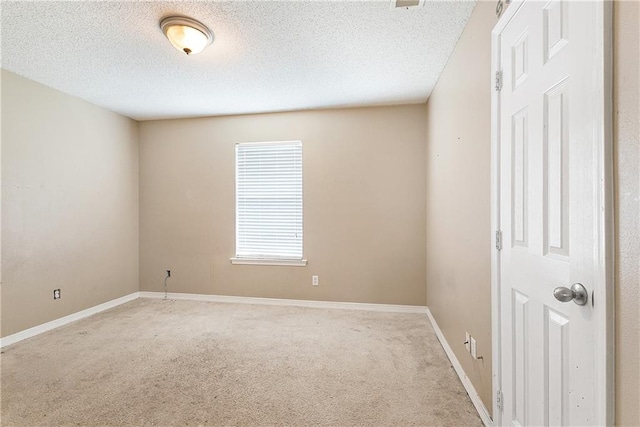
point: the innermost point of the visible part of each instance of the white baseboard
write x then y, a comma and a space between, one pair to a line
36, 330
389, 308
466, 382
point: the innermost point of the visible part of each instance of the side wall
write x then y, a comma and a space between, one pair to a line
458, 198
70, 204
364, 205
626, 79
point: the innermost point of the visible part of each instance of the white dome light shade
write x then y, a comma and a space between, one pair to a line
186, 34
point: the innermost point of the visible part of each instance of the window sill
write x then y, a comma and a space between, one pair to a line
280, 262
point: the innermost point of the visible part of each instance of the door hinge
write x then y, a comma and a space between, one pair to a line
499, 399
499, 240
499, 8
498, 81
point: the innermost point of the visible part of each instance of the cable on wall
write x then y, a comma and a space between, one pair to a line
165, 283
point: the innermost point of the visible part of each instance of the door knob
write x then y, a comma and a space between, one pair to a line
577, 293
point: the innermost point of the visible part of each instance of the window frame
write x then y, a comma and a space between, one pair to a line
267, 260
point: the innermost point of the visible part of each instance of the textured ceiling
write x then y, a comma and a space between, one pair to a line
267, 55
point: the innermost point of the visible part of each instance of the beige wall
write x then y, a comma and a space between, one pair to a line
458, 198
70, 204
627, 158
364, 205
0, 206
458, 210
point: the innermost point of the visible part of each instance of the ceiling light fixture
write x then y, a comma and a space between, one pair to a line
186, 34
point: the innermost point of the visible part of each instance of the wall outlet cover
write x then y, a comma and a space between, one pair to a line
474, 348
314, 280
467, 341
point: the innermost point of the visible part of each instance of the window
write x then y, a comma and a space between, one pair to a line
269, 203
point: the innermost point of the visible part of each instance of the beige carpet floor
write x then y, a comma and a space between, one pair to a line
156, 362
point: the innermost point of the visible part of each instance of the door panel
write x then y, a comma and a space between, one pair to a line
556, 368
555, 28
556, 171
519, 179
520, 342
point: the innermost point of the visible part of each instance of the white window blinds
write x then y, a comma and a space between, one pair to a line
269, 200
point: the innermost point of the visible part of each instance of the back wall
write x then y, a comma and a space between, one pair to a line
364, 205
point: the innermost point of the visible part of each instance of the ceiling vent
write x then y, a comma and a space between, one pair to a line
406, 4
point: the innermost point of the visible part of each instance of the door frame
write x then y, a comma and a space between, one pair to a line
604, 285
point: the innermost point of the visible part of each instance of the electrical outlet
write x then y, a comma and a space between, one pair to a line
467, 341
474, 348
168, 273
56, 294
314, 280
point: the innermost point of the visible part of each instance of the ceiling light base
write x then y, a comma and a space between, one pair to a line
186, 35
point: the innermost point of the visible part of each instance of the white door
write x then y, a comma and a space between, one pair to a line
551, 133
